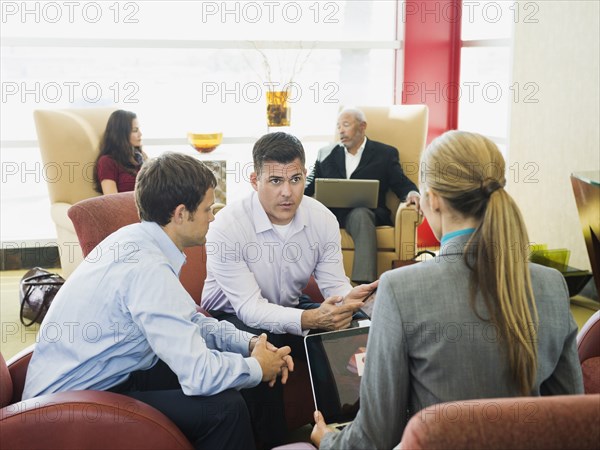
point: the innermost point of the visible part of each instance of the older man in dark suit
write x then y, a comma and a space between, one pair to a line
358, 157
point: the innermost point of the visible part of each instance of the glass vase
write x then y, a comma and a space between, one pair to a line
278, 111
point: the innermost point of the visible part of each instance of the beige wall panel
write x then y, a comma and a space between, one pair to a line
560, 133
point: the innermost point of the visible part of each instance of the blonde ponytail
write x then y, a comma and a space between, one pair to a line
467, 170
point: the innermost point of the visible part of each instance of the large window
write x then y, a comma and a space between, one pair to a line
486, 90
183, 66
175, 90
189, 65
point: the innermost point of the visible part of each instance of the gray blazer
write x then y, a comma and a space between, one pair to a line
426, 346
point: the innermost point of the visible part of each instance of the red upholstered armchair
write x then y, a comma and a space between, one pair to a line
588, 347
560, 422
96, 218
528, 423
78, 419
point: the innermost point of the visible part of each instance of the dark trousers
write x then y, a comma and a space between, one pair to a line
360, 225
265, 403
219, 421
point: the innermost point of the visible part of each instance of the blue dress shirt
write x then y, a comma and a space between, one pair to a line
124, 308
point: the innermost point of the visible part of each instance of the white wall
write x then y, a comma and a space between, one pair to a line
559, 134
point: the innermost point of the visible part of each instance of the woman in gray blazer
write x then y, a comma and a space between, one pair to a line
479, 321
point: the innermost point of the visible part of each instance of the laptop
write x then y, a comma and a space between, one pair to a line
336, 362
343, 193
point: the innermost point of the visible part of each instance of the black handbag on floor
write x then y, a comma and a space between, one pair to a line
37, 289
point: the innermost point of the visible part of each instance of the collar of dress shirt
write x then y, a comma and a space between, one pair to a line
453, 234
262, 223
175, 257
454, 243
360, 149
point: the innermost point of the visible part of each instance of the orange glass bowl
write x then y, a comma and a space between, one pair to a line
205, 142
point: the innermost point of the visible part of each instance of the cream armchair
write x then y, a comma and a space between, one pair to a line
68, 142
404, 127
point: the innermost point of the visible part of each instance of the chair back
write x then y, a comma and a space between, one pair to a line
96, 218
404, 127
69, 143
588, 347
556, 422
16, 372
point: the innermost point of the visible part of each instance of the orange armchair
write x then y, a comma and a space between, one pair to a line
78, 419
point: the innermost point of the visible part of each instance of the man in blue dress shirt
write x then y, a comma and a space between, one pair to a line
123, 322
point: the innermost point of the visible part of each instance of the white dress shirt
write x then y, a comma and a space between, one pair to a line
352, 161
258, 275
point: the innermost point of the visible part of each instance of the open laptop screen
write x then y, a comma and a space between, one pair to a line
336, 362
343, 193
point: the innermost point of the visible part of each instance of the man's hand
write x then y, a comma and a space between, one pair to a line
330, 316
414, 198
360, 293
273, 361
320, 429
252, 344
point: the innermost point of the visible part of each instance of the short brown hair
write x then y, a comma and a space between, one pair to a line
279, 147
168, 181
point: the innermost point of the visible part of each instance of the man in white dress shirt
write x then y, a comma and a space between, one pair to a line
262, 251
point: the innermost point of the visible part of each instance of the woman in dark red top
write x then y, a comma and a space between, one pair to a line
121, 155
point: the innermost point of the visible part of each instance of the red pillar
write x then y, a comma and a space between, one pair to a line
432, 47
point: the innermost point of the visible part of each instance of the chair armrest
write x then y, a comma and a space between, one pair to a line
58, 212
405, 231
588, 338
87, 420
560, 421
17, 367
